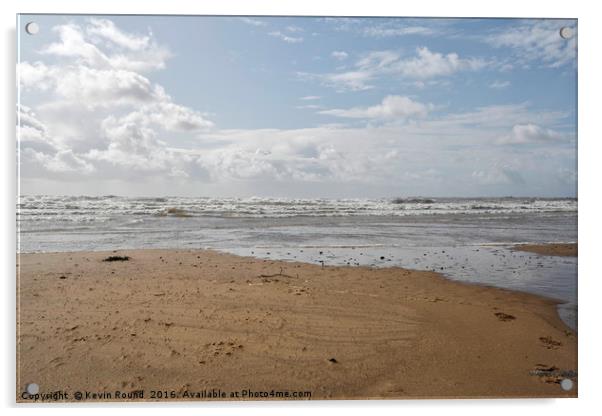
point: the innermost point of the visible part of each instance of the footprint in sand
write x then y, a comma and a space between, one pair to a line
504, 317
550, 343
223, 347
547, 374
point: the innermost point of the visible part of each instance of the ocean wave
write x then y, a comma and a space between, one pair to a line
174, 212
413, 201
36, 208
487, 207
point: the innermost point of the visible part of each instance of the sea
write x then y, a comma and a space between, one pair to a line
465, 239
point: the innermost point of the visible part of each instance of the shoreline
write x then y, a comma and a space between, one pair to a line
515, 246
164, 317
549, 249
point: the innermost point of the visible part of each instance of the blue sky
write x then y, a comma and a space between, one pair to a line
297, 106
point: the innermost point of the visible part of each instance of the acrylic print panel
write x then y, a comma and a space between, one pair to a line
295, 208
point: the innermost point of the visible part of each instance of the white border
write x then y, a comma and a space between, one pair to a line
589, 186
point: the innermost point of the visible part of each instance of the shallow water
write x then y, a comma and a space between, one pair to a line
554, 277
465, 239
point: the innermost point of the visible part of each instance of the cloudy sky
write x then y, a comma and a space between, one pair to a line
298, 107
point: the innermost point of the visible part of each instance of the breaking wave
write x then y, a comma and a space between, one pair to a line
86, 209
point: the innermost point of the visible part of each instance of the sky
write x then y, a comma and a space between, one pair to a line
297, 107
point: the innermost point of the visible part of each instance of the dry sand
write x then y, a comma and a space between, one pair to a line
565, 250
180, 321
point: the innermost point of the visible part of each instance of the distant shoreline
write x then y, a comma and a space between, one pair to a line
552, 249
161, 318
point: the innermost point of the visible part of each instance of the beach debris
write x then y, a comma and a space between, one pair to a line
550, 343
504, 316
280, 274
545, 368
62, 277
333, 360
117, 258
552, 374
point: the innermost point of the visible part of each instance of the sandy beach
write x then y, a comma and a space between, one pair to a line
196, 320
563, 250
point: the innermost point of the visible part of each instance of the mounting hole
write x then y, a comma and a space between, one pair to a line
32, 388
566, 384
566, 32
32, 28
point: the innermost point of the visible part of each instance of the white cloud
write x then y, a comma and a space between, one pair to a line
339, 55
538, 40
34, 75
73, 45
429, 64
499, 117
124, 51
309, 107
38, 148
424, 65
285, 37
121, 125
169, 116
109, 88
392, 107
498, 175
132, 145
106, 29
384, 32
66, 161
530, 133
498, 85
344, 81
394, 27
32, 133
378, 61
447, 152
252, 22
95, 87
303, 155
125, 114
351, 80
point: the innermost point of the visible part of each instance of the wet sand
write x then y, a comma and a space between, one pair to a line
177, 320
565, 250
